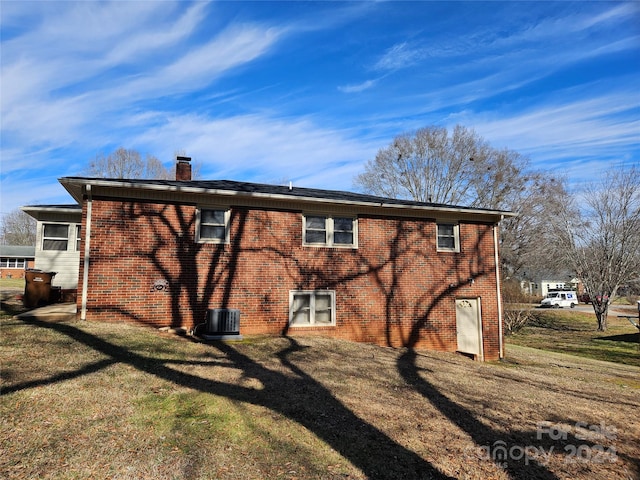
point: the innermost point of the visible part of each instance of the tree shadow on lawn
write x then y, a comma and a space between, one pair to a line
299, 397
625, 338
521, 453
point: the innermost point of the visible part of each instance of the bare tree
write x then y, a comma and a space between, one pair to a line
461, 168
18, 228
155, 169
125, 163
526, 238
435, 165
600, 237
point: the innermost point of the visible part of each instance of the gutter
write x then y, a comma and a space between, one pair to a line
498, 290
87, 255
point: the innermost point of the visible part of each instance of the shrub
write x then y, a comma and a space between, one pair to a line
512, 292
515, 319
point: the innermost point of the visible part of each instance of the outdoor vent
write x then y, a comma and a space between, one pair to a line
223, 321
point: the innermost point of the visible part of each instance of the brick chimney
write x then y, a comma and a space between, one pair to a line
183, 168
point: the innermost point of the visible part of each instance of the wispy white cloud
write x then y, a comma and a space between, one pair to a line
486, 64
360, 87
611, 16
259, 83
200, 66
81, 74
296, 149
140, 44
577, 132
569, 29
574, 122
48, 100
488, 68
399, 56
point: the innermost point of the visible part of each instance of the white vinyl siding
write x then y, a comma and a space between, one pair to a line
58, 253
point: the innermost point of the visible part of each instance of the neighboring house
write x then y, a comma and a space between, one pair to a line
58, 237
15, 259
292, 260
542, 287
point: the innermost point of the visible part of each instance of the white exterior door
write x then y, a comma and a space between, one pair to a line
469, 326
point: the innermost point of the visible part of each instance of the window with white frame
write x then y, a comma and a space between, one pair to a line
330, 231
312, 308
6, 262
55, 236
448, 237
212, 225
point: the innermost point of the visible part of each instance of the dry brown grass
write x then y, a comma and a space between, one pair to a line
89, 400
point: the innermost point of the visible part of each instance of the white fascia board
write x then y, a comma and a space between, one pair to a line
37, 208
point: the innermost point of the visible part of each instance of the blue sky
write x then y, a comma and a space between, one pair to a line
309, 91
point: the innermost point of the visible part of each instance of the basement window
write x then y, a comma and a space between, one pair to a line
312, 308
448, 237
212, 225
328, 231
55, 236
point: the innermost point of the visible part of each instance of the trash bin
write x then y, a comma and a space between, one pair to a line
37, 288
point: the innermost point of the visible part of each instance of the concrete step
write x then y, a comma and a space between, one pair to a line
58, 312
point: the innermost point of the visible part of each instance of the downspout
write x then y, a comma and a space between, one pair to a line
87, 255
498, 289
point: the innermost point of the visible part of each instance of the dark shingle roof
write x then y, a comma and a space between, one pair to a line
265, 189
17, 251
295, 192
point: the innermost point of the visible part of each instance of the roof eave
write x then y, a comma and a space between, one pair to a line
76, 188
50, 208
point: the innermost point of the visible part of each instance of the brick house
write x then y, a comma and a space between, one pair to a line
15, 259
291, 260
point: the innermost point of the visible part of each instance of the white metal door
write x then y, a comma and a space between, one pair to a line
469, 326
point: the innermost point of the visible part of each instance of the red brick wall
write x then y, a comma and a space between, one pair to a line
394, 289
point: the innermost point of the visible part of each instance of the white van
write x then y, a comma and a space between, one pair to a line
561, 298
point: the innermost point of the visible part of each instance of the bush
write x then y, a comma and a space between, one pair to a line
516, 319
512, 293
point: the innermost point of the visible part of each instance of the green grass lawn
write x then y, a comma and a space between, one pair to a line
11, 283
575, 333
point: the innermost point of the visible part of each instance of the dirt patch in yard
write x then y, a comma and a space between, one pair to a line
89, 400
